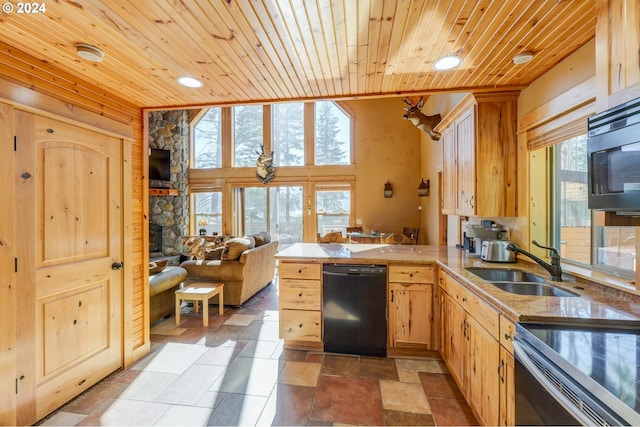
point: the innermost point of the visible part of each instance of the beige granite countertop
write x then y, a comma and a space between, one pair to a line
598, 302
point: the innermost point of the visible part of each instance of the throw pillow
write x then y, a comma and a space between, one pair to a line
156, 267
233, 248
262, 238
213, 254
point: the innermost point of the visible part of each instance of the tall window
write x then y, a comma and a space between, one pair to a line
332, 134
207, 140
278, 210
333, 208
247, 134
287, 133
574, 217
579, 238
207, 213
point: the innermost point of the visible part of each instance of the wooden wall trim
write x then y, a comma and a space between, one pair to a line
7, 275
576, 97
45, 105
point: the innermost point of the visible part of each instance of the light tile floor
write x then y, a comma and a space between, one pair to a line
236, 372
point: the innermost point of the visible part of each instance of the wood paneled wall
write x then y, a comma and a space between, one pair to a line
42, 88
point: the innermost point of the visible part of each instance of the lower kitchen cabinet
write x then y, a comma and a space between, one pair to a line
410, 305
301, 303
507, 371
471, 348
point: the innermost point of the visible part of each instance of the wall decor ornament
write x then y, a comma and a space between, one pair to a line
388, 190
265, 169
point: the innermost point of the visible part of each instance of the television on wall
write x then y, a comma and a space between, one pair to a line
160, 164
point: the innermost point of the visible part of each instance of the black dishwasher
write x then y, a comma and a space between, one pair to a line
354, 309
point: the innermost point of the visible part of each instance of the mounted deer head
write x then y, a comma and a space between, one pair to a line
265, 169
421, 121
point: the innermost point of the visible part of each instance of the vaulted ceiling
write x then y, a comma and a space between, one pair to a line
249, 51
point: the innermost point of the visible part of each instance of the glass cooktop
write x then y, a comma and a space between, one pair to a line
609, 356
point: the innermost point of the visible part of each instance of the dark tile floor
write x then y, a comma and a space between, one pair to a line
236, 372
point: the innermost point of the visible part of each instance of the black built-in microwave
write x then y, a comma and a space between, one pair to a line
613, 148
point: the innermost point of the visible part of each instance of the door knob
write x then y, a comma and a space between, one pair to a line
116, 266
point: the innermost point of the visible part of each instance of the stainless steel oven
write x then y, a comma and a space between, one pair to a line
576, 375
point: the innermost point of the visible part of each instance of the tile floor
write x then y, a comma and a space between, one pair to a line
236, 372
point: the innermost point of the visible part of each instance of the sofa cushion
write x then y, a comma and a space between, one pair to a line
234, 248
215, 271
167, 279
262, 238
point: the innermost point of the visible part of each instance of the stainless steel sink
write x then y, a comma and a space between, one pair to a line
505, 275
520, 282
529, 288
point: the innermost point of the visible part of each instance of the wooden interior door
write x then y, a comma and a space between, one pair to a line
69, 213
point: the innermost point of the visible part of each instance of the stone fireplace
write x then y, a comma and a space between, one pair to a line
169, 130
155, 238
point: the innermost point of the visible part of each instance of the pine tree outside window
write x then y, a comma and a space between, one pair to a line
247, 134
287, 133
332, 134
207, 140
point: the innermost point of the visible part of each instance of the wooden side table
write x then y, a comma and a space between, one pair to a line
200, 292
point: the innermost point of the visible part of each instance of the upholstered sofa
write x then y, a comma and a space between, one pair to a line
246, 265
162, 288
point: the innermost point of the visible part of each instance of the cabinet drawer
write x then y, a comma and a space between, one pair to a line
411, 274
507, 333
486, 315
297, 294
295, 270
457, 291
300, 325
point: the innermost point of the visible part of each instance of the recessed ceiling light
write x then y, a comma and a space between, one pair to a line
189, 82
89, 52
523, 58
447, 62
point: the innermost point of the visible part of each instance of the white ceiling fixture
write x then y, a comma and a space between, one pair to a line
523, 58
447, 62
189, 82
89, 52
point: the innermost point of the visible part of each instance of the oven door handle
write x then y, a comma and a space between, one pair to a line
522, 356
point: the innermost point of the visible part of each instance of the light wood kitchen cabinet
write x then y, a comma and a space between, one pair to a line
301, 303
472, 348
410, 302
506, 371
479, 156
617, 35
449, 172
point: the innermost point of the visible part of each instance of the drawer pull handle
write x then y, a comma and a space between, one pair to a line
507, 336
300, 271
464, 299
300, 325
300, 294
410, 274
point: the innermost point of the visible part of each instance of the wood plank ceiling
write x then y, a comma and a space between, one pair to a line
274, 50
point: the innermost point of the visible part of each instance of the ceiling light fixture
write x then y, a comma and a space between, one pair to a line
89, 52
523, 58
189, 82
447, 62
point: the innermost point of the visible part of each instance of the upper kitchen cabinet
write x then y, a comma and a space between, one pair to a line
479, 156
617, 53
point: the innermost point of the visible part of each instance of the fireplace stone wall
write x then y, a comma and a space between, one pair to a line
170, 130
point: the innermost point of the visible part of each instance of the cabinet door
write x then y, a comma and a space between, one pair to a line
483, 381
456, 341
449, 171
410, 314
465, 139
507, 390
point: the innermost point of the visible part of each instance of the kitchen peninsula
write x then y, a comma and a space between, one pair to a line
434, 304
